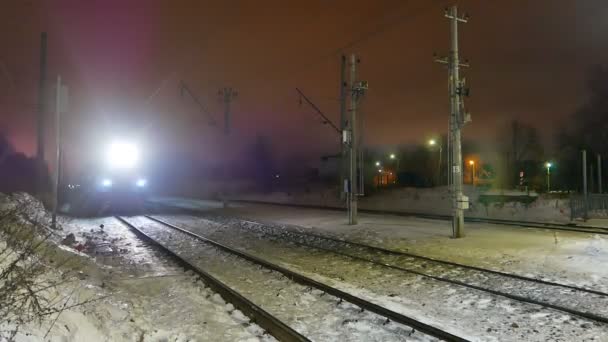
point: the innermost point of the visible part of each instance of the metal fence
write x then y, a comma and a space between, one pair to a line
594, 206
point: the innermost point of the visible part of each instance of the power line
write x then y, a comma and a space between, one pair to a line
326, 120
383, 27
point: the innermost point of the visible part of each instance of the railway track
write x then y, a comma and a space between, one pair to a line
268, 322
557, 296
522, 224
168, 238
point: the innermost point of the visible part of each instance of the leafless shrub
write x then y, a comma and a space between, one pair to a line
29, 292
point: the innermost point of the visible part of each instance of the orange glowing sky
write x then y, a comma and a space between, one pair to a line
529, 61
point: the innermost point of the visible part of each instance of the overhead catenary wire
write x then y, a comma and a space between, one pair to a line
326, 120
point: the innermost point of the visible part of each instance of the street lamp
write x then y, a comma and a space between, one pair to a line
377, 163
393, 156
548, 167
472, 163
432, 143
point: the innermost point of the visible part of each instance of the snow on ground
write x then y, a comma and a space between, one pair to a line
432, 201
468, 313
315, 315
139, 295
572, 257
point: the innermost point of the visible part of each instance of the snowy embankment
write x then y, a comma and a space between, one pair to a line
98, 282
432, 201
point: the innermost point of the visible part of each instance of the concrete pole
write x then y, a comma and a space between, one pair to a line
585, 173
585, 182
458, 214
352, 194
599, 173
449, 143
343, 121
228, 95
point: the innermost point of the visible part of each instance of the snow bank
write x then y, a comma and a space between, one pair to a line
135, 294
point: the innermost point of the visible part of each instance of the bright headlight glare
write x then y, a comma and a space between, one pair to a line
141, 182
106, 182
123, 155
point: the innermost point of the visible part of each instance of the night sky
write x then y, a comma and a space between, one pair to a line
529, 61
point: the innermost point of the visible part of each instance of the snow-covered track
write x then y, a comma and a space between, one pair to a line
390, 315
558, 296
268, 322
521, 224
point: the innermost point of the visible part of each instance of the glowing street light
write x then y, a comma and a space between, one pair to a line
432, 143
377, 163
472, 164
548, 166
392, 156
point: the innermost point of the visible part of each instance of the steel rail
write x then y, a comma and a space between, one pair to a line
362, 303
583, 314
526, 224
257, 315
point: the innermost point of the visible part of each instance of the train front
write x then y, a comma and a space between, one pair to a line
121, 180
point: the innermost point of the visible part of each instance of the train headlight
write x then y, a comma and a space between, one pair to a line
106, 182
141, 183
122, 155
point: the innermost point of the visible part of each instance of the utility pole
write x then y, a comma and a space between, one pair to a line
40, 125
351, 137
457, 120
227, 94
599, 173
343, 122
61, 103
352, 178
585, 182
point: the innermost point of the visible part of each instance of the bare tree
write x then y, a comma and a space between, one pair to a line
523, 148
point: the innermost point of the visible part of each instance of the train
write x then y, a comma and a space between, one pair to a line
116, 183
